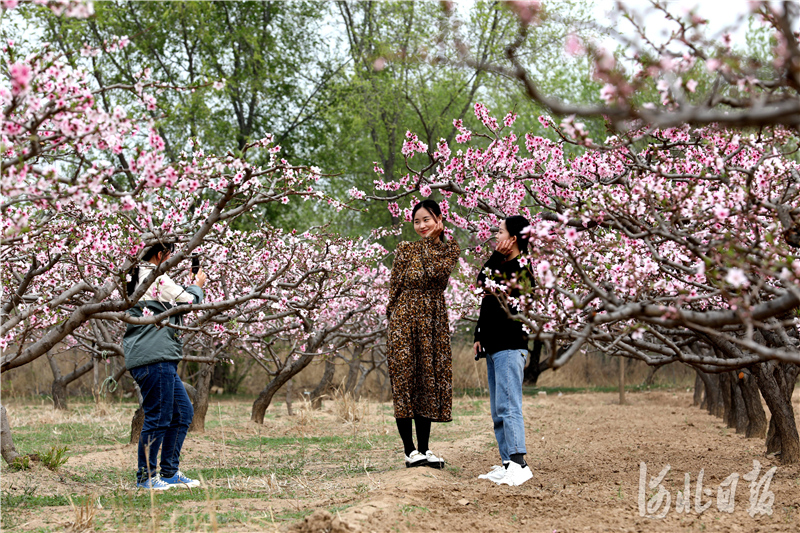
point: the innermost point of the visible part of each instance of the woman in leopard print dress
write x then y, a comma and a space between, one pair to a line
420, 360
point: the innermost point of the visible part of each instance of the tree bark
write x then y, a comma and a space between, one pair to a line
60, 382
728, 416
325, 385
354, 369
622, 381
200, 400
264, 398
9, 452
713, 402
289, 387
741, 421
699, 389
136, 425
756, 417
361, 380
782, 437
532, 371
96, 379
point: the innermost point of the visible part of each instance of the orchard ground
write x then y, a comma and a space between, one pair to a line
584, 449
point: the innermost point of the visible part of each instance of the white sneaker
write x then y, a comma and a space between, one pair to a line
415, 459
433, 461
515, 475
495, 474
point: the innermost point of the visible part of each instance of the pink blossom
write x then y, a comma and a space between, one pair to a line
737, 278
608, 93
573, 45
20, 74
526, 10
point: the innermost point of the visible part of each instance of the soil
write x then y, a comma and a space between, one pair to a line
585, 452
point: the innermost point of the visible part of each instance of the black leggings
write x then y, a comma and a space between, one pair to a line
423, 433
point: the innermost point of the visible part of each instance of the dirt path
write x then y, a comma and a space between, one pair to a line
584, 449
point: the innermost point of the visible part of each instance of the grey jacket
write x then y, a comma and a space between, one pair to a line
154, 343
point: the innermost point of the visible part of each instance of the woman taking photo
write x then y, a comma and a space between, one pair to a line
501, 340
419, 356
152, 354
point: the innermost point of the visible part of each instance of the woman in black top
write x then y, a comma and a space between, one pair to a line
501, 340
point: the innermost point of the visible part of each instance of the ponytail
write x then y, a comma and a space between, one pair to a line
151, 253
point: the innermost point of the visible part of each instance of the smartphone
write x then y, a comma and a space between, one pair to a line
195, 263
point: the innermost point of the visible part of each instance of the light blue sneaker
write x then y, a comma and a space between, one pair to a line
154, 483
179, 480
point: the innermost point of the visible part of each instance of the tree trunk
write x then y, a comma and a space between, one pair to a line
727, 403
96, 379
532, 371
59, 393
699, 390
60, 382
136, 425
289, 387
361, 380
200, 400
622, 381
7, 448
138, 417
354, 369
713, 401
325, 385
264, 398
741, 421
782, 436
651, 377
756, 417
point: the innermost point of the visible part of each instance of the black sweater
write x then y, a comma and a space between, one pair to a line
496, 331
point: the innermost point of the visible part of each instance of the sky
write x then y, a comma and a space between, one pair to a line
722, 15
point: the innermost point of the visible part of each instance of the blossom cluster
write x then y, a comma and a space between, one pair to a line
627, 238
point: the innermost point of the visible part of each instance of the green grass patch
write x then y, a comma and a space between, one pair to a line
408, 509
29, 500
43, 437
140, 499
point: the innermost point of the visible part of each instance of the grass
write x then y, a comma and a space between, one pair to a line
408, 509
290, 462
65, 434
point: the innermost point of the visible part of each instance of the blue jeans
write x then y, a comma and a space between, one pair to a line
505, 370
167, 415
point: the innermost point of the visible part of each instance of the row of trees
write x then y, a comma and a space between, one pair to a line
672, 240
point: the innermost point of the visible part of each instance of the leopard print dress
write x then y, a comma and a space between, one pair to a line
419, 356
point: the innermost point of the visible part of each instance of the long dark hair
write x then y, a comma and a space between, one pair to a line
432, 207
514, 226
148, 255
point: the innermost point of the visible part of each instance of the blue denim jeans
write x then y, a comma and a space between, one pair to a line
167, 415
505, 370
